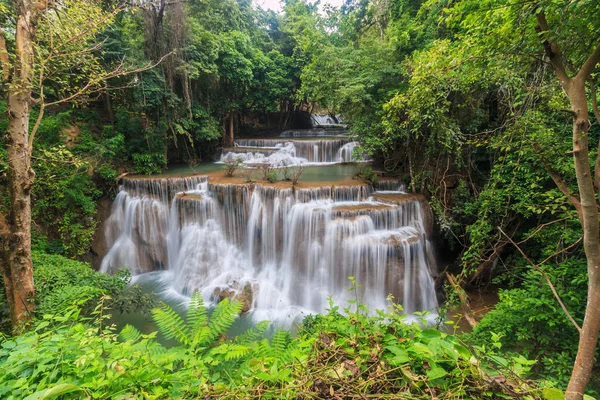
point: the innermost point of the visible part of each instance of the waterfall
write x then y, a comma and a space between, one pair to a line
282, 251
326, 120
315, 132
291, 151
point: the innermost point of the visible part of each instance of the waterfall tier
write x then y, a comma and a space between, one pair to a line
285, 250
285, 152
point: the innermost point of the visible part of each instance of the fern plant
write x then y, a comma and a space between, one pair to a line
197, 332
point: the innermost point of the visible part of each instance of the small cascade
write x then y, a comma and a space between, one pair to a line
315, 132
326, 120
280, 152
391, 185
282, 252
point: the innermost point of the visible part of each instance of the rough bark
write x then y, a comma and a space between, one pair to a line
588, 339
19, 272
588, 211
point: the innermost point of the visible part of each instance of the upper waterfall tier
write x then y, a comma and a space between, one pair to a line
285, 249
326, 120
316, 132
282, 152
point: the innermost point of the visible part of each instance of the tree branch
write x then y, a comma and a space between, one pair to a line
597, 115
589, 64
4, 61
562, 186
552, 51
541, 271
117, 72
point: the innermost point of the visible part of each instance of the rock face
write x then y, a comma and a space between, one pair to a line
281, 251
99, 246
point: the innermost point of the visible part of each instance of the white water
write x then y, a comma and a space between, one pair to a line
325, 120
293, 249
287, 152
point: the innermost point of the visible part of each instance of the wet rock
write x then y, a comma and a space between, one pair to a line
245, 295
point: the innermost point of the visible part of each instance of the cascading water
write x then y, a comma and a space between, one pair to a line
281, 251
278, 152
326, 120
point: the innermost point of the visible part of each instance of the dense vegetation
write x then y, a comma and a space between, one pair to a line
459, 98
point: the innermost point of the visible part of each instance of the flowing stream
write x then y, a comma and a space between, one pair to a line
281, 251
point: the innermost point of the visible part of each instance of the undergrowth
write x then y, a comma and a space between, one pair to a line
339, 355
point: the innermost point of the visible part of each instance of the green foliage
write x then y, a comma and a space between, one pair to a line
364, 171
332, 353
64, 198
149, 163
272, 176
61, 283
232, 164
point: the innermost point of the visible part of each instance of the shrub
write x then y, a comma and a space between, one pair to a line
247, 173
272, 176
364, 171
268, 172
232, 164
296, 173
61, 282
149, 163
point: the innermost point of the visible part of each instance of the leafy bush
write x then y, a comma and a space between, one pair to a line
149, 163
232, 164
61, 282
528, 319
364, 171
272, 176
64, 198
268, 172
291, 173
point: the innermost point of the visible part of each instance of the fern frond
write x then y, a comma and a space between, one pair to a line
196, 316
220, 321
253, 334
154, 349
170, 324
280, 343
237, 351
263, 348
130, 334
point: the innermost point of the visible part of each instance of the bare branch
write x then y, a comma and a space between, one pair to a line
464, 300
541, 271
117, 72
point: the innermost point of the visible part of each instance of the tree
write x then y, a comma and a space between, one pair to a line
561, 33
53, 58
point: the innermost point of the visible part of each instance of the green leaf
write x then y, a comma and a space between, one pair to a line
436, 372
552, 394
53, 392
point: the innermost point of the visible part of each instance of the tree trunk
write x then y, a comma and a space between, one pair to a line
230, 135
582, 370
19, 272
109, 109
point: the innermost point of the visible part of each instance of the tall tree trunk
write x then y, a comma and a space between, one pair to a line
109, 108
588, 338
587, 209
19, 272
230, 137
